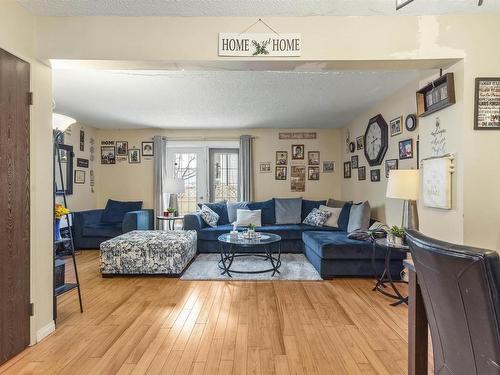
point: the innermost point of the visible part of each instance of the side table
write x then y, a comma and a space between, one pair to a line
169, 219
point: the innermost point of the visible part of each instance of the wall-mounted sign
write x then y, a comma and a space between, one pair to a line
82, 163
251, 44
297, 135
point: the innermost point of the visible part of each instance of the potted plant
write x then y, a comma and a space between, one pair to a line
59, 212
251, 230
396, 235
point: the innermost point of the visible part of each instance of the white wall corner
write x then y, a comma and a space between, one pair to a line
44, 332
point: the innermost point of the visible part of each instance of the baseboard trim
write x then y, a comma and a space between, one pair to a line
45, 331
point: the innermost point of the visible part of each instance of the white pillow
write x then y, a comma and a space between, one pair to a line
334, 216
247, 217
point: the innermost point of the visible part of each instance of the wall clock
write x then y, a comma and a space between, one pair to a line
411, 122
376, 140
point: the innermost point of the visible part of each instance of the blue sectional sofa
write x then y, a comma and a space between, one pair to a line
92, 227
328, 249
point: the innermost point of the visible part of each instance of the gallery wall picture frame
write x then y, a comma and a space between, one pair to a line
436, 95
148, 148
79, 176
406, 149
298, 178
396, 126
82, 140
280, 173
313, 157
134, 156
411, 122
487, 103
361, 173
347, 169
281, 157
121, 148
360, 142
390, 164
298, 152
265, 167
354, 161
108, 155
82, 163
352, 147
328, 166
313, 173
375, 175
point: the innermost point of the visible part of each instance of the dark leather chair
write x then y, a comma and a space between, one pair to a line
461, 291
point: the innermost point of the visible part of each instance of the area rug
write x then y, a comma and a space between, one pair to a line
293, 267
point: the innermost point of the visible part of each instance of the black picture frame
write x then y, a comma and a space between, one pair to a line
347, 169
354, 161
375, 175
121, 148
281, 157
313, 157
148, 148
313, 173
477, 106
388, 167
79, 177
82, 163
404, 153
298, 152
361, 173
384, 131
134, 156
108, 155
280, 172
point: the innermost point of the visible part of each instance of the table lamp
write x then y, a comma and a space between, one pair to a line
174, 186
404, 184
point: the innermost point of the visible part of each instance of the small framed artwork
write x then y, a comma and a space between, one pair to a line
265, 167
313, 173
406, 149
375, 175
82, 140
281, 157
390, 164
134, 156
148, 149
360, 142
352, 147
328, 166
280, 173
487, 104
297, 152
347, 169
361, 173
79, 176
121, 148
396, 126
313, 157
82, 163
354, 161
108, 155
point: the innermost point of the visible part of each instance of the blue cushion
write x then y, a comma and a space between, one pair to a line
267, 209
107, 230
115, 211
288, 210
307, 207
232, 209
220, 208
343, 221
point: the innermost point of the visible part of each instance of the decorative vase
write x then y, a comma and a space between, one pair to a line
57, 230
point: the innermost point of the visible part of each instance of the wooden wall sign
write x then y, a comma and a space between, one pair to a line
297, 135
263, 44
487, 104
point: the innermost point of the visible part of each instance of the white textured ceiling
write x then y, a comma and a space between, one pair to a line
220, 99
255, 8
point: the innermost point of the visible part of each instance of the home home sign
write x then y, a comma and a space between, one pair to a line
264, 45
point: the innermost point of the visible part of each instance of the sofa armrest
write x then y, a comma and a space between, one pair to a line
138, 220
82, 218
194, 222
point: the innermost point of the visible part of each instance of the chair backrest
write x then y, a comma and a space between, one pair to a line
461, 291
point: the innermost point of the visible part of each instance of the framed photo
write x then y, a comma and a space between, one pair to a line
121, 148
298, 178
313, 158
313, 173
328, 166
108, 155
79, 176
134, 156
487, 104
82, 140
265, 167
406, 149
375, 175
281, 157
280, 173
354, 161
297, 152
360, 142
396, 126
82, 163
390, 164
362, 173
148, 149
347, 169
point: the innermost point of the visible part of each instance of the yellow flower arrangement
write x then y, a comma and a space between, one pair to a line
60, 211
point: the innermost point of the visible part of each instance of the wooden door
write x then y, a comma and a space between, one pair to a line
14, 206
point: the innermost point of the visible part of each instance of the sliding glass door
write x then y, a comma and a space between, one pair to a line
224, 174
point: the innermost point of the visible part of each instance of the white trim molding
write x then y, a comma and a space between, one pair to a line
45, 331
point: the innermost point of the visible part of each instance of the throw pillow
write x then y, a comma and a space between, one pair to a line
307, 206
220, 208
231, 210
267, 208
288, 210
359, 217
115, 211
317, 217
336, 203
378, 226
343, 221
334, 216
209, 216
247, 217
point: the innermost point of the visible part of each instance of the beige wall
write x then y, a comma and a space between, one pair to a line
124, 181
17, 35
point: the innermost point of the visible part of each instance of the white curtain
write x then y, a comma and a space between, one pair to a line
246, 170
160, 175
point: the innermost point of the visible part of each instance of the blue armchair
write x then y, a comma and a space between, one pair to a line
89, 230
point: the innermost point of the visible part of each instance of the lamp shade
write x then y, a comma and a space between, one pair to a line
175, 185
403, 184
61, 122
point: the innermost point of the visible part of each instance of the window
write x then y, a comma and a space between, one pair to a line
224, 175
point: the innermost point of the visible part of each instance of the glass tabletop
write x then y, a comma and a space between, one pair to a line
263, 239
383, 242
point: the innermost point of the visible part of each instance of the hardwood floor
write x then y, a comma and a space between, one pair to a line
157, 325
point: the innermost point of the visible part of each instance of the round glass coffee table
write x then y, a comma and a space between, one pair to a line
267, 246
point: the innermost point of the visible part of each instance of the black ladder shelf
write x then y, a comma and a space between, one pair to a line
66, 242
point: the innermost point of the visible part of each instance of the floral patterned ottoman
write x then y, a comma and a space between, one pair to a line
147, 252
